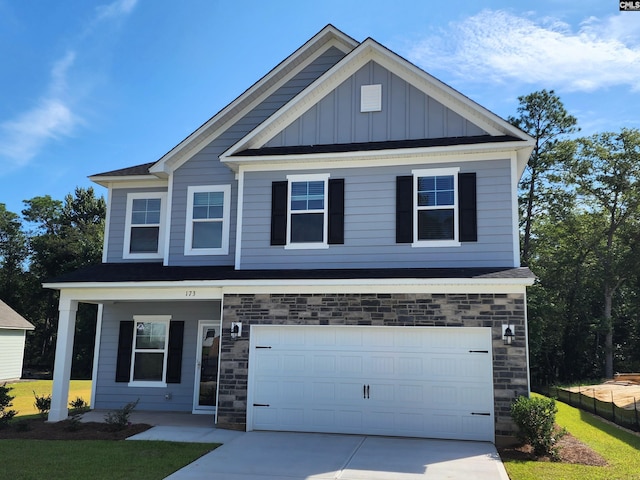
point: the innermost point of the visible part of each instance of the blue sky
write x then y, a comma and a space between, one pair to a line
90, 86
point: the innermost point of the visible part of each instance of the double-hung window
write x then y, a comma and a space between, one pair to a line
307, 211
144, 232
149, 353
208, 216
436, 207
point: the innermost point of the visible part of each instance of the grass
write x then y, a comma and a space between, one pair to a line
620, 448
95, 459
24, 399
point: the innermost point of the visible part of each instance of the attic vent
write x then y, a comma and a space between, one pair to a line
370, 98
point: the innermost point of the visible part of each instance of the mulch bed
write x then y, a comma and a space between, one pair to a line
572, 450
39, 429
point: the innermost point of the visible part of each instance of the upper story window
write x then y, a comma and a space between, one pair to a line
144, 228
436, 208
208, 217
308, 210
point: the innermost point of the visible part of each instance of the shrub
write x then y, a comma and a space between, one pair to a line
43, 404
5, 402
119, 419
535, 418
78, 405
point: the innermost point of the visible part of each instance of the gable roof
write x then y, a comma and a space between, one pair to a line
12, 320
370, 50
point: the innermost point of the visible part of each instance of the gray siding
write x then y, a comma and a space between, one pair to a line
11, 353
407, 113
117, 222
113, 395
205, 167
369, 223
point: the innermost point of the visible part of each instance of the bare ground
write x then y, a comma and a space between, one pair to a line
571, 450
623, 393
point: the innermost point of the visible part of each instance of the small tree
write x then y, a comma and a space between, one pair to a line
535, 418
5, 403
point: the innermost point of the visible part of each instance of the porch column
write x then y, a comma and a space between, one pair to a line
64, 354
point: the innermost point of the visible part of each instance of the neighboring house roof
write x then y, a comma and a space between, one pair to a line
155, 272
12, 320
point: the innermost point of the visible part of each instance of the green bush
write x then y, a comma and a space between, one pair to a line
119, 419
43, 404
5, 402
535, 418
79, 405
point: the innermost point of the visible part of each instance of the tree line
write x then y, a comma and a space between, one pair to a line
579, 201
51, 238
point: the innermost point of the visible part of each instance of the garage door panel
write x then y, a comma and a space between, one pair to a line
320, 385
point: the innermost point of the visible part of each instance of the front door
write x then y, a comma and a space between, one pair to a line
206, 378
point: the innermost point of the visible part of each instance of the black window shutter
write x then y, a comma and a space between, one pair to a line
279, 192
174, 358
336, 211
467, 212
404, 209
125, 346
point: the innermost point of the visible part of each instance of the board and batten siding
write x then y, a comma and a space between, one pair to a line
114, 395
11, 353
369, 223
205, 167
407, 113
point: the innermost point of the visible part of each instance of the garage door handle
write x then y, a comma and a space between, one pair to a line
481, 413
261, 405
478, 351
365, 391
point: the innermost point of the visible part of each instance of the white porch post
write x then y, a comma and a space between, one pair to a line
64, 354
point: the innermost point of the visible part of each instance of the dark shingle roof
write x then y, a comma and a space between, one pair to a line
123, 172
372, 146
155, 272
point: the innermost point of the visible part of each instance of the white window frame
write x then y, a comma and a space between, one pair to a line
324, 177
436, 172
166, 319
126, 254
226, 218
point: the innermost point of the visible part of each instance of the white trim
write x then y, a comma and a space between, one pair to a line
305, 55
167, 222
96, 355
453, 172
367, 51
165, 319
161, 226
107, 226
133, 181
317, 177
226, 220
515, 214
198, 371
239, 219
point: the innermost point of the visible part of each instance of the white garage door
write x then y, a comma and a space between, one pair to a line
402, 381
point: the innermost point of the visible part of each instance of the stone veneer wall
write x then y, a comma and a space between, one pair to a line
446, 310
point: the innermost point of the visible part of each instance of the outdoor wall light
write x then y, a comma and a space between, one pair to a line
236, 330
508, 334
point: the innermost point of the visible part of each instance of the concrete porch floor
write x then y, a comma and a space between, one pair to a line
166, 419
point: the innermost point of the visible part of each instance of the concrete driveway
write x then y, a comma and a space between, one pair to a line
289, 456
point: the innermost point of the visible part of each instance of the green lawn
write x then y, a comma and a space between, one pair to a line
95, 459
24, 399
621, 449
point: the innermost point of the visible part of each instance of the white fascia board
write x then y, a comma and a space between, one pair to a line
133, 181
379, 158
215, 289
367, 51
17, 328
220, 122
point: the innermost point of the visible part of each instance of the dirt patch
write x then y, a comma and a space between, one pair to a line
624, 394
572, 450
38, 429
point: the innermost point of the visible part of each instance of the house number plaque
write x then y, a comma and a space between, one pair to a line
190, 293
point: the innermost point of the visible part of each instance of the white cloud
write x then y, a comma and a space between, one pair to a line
503, 47
54, 115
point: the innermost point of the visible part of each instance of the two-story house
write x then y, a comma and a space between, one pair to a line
334, 251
